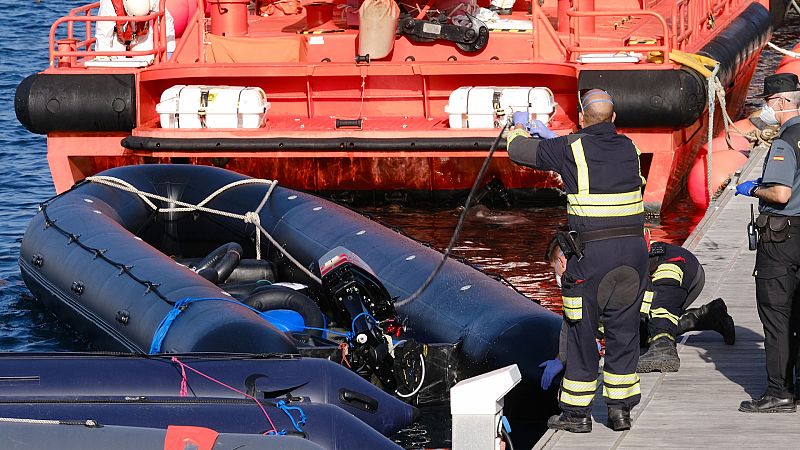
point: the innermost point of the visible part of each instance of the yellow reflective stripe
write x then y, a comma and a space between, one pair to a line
573, 314
581, 166
618, 199
515, 133
615, 379
639, 164
662, 313
579, 386
605, 211
647, 300
667, 270
621, 393
572, 302
576, 400
573, 307
661, 335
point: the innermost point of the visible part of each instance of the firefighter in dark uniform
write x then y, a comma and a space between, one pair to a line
678, 278
607, 271
778, 249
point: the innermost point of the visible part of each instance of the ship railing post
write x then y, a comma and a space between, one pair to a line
476, 405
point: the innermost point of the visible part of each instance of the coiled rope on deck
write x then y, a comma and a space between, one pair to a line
251, 217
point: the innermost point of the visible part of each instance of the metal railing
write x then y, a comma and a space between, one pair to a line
691, 21
67, 51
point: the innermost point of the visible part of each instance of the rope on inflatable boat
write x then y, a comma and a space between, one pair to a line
251, 217
89, 423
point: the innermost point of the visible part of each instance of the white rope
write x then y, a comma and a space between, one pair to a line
712, 90
87, 423
785, 52
251, 217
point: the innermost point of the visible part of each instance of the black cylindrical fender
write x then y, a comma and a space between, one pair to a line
219, 264
677, 98
79, 102
271, 297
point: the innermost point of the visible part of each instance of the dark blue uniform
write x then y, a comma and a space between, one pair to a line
602, 178
678, 279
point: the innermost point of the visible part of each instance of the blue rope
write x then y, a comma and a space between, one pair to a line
287, 409
177, 308
349, 335
353, 324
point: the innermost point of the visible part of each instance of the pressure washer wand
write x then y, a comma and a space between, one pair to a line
460, 224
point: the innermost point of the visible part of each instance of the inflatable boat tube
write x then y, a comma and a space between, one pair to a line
97, 256
677, 98
77, 436
325, 425
318, 380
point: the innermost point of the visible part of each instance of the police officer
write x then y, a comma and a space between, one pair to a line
678, 278
778, 250
607, 270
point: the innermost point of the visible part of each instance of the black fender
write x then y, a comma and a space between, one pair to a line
281, 297
219, 264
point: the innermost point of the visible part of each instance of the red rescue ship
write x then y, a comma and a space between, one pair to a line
382, 100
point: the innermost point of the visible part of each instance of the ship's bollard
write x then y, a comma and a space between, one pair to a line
476, 405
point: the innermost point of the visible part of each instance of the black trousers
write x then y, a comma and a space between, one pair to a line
605, 286
776, 275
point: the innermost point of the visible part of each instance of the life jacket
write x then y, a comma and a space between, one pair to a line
128, 32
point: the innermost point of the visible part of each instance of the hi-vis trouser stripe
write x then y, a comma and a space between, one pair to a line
577, 393
599, 205
620, 386
647, 301
659, 336
573, 307
661, 313
668, 271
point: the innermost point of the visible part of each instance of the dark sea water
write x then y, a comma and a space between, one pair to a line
506, 242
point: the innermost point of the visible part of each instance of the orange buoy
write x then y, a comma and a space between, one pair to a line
724, 163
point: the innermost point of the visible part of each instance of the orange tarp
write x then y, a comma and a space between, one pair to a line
254, 50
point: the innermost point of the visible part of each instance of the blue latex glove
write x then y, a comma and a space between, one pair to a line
538, 128
551, 368
747, 187
521, 118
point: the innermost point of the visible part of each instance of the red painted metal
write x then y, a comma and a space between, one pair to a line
311, 80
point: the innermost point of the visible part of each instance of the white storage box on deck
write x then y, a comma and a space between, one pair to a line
492, 106
194, 106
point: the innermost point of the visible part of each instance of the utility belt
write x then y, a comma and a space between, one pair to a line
775, 228
573, 242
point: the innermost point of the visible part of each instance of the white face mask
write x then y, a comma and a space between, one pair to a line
558, 269
769, 115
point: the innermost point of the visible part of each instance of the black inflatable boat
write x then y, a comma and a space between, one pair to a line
180, 259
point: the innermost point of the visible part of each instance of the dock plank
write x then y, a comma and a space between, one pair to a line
697, 407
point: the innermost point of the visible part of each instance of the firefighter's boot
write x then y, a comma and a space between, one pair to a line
711, 316
660, 357
571, 423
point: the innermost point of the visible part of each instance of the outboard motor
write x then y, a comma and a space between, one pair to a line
362, 301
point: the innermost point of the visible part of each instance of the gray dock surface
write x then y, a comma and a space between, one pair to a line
697, 407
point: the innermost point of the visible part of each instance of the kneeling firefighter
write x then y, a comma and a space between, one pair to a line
678, 278
607, 272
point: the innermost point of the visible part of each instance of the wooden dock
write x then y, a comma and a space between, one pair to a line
697, 407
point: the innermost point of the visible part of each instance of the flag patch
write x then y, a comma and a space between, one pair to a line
778, 158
